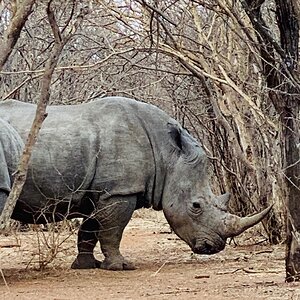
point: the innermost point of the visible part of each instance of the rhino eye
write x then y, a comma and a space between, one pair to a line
196, 205
195, 209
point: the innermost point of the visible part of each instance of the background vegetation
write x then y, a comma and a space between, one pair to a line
228, 70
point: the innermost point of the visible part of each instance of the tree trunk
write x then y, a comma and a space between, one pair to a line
289, 108
291, 134
284, 90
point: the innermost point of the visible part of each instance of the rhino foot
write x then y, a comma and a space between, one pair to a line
117, 264
86, 261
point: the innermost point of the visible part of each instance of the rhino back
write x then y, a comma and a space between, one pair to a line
109, 146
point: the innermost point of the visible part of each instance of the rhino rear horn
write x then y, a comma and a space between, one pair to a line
235, 225
222, 201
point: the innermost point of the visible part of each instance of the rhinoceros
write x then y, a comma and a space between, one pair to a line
102, 160
11, 147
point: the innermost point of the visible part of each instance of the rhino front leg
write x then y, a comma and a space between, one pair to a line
87, 240
113, 218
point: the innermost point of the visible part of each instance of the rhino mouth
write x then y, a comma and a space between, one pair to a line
207, 247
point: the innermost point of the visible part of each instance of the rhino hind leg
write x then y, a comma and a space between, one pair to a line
113, 218
87, 240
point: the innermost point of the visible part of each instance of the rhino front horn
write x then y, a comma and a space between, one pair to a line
235, 225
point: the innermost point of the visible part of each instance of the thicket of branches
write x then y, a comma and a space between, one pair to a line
206, 62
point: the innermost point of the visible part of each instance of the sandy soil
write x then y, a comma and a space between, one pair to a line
166, 268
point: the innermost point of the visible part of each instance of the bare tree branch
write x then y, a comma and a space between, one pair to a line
158, 11
12, 33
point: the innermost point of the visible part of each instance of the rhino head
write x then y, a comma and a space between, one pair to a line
195, 214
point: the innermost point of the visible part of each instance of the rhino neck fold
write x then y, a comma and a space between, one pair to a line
155, 186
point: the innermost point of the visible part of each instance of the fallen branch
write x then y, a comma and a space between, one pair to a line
248, 271
9, 244
201, 276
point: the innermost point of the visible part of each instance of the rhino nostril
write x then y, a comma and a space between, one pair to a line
208, 247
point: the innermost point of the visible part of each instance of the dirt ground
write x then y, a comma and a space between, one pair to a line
166, 268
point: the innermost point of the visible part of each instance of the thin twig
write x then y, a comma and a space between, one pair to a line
20, 85
154, 274
4, 280
158, 11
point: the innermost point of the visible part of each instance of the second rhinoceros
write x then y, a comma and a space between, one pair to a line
11, 147
104, 159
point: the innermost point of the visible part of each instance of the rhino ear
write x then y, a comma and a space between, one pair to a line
175, 134
180, 141
187, 146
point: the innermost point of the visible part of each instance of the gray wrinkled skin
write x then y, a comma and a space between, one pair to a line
103, 160
11, 146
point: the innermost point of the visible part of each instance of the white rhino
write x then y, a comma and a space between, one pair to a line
104, 159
